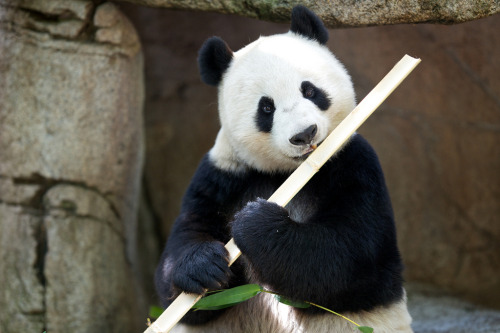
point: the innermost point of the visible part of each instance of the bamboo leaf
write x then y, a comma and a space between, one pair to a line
228, 297
155, 312
365, 329
295, 304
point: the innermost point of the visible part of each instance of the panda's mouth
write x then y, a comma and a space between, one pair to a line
307, 152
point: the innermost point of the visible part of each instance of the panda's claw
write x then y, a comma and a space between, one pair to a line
201, 267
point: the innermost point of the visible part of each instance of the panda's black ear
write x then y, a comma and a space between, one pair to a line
214, 59
306, 23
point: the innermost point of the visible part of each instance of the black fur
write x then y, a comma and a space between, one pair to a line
343, 256
265, 114
306, 23
318, 97
212, 256
214, 59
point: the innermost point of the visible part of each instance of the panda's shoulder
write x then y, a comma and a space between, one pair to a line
213, 184
357, 158
359, 148
209, 177
356, 152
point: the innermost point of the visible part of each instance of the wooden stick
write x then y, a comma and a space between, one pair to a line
301, 175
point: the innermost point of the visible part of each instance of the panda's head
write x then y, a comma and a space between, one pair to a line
279, 97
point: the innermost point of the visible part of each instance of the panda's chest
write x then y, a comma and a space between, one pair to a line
301, 208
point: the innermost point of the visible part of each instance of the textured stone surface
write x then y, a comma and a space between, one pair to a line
78, 9
113, 27
85, 265
71, 155
22, 293
437, 135
345, 13
434, 311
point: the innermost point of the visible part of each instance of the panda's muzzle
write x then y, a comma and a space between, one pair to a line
304, 140
305, 137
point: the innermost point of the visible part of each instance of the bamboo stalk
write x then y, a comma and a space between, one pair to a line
302, 174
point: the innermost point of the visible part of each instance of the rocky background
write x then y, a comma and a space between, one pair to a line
103, 119
71, 158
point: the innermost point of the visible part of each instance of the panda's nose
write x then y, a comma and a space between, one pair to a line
305, 137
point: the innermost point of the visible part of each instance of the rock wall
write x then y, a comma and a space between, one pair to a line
341, 13
71, 156
437, 136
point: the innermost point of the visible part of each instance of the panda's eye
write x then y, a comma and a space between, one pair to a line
309, 93
266, 105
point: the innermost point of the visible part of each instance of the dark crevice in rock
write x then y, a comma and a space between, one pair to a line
113, 208
49, 18
89, 30
149, 206
36, 179
47, 183
40, 234
50, 24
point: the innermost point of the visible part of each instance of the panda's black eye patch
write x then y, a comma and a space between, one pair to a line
316, 95
265, 114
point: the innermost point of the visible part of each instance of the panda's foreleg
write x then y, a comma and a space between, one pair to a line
333, 264
193, 261
287, 256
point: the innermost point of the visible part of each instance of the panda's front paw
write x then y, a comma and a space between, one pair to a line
256, 220
200, 267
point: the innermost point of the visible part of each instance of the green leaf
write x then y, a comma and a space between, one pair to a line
155, 312
365, 329
197, 307
228, 297
295, 304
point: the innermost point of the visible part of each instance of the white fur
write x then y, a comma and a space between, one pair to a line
275, 67
264, 314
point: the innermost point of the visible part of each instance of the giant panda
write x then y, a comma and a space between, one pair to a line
333, 245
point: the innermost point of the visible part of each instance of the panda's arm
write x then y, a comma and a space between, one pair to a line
194, 258
345, 256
